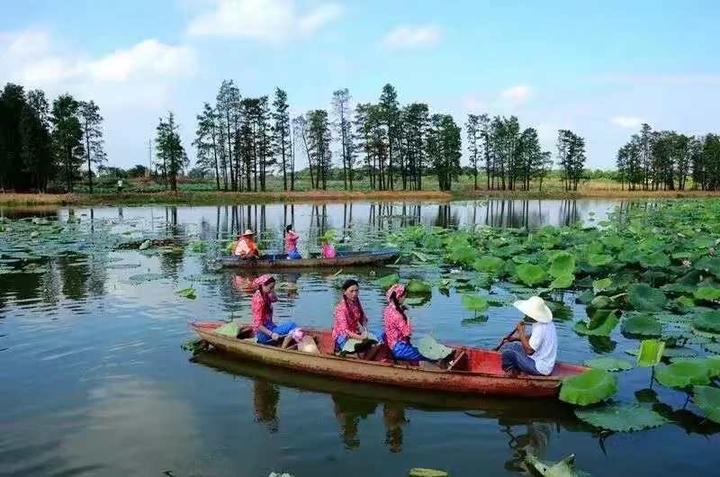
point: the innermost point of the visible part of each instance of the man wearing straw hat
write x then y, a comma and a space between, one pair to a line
534, 354
246, 247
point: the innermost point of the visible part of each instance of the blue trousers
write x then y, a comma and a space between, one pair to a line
281, 329
514, 357
294, 255
406, 352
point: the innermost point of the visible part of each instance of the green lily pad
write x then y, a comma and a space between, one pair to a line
602, 323
707, 293
655, 260
650, 353
601, 284
530, 274
682, 374
564, 468
608, 363
188, 292
707, 398
563, 281
590, 387
489, 264
562, 265
641, 325
643, 297
418, 287
708, 322
424, 472
475, 303
599, 260
432, 349
621, 417
709, 264
387, 281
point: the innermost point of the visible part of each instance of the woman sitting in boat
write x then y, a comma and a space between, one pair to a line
327, 250
246, 247
350, 319
398, 329
534, 354
291, 240
266, 331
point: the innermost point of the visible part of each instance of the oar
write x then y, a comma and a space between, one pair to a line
507, 337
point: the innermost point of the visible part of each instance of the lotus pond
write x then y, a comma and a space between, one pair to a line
94, 305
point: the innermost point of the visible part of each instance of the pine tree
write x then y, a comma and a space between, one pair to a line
90, 121
343, 127
170, 153
67, 138
319, 138
281, 133
207, 142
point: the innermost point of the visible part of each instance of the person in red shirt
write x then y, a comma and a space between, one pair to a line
350, 319
266, 331
246, 247
398, 330
291, 240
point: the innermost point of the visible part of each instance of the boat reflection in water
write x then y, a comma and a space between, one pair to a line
354, 402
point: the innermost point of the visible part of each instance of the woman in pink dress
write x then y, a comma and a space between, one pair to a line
398, 329
350, 319
291, 240
266, 331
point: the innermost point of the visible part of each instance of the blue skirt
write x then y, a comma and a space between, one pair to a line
281, 329
294, 255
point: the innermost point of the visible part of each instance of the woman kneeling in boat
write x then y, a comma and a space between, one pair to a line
398, 329
534, 354
291, 240
265, 329
350, 319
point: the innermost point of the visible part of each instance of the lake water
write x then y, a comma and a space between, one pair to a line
94, 380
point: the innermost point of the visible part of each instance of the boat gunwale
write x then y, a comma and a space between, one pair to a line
360, 258
406, 367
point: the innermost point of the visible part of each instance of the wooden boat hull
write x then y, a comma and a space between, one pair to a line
486, 377
344, 259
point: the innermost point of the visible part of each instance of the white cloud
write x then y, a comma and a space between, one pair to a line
404, 36
29, 58
628, 122
517, 94
266, 20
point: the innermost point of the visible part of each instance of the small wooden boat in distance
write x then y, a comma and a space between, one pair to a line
477, 371
280, 261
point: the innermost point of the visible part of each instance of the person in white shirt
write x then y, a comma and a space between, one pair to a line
534, 354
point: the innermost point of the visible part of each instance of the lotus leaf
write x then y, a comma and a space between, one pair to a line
489, 264
621, 417
707, 293
641, 325
564, 468
432, 349
562, 265
475, 303
423, 472
590, 387
712, 363
707, 398
709, 264
683, 374
708, 322
530, 274
601, 285
387, 281
418, 287
609, 363
654, 260
650, 353
604, 321
187, 293
599, 260
643, 297
563, 281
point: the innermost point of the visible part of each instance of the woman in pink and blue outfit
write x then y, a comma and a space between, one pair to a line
398, 329
291, 240
350, 319
266, 331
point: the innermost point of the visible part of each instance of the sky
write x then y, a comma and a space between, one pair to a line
600, 68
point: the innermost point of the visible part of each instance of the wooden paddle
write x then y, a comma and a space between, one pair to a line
505, 338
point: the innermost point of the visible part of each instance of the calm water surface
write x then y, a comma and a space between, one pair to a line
94, 381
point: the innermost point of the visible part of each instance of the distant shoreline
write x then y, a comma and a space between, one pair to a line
227, 198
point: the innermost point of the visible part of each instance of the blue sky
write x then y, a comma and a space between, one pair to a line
597, 67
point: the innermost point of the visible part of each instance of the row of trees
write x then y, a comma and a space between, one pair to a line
654, 160
41, 143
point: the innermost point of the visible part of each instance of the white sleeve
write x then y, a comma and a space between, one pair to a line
537, 336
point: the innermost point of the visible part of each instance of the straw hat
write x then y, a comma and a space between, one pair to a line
535, 308
247, 232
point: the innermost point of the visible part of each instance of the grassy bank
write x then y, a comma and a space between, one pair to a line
202, 193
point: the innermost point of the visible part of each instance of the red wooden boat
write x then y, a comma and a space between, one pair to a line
476, 371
